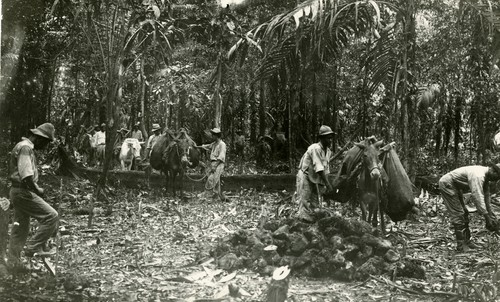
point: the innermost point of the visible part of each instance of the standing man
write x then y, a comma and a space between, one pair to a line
153, 138
27, 197
476, 179
137, 133
239, 149
100, 142
312, 181
91, 133
217, 160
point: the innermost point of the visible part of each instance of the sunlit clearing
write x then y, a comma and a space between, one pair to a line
225, 3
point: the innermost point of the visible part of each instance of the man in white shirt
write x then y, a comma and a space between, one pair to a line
477, 179
217, 161
312, 180
100, 142
153, 138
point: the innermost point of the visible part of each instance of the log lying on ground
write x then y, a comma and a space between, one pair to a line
341, 248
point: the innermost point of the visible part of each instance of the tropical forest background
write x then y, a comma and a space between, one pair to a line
420, 73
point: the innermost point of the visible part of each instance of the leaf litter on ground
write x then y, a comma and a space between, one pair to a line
131, 257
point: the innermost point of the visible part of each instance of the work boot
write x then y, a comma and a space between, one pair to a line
467, 239
15, 265
462, 246
39, 251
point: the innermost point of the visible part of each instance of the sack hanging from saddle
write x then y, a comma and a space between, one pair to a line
345, 182
399, 187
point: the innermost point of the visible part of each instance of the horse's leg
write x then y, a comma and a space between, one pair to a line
166, 179
375, 213
362, 205
173, 176
382, 221
181, 184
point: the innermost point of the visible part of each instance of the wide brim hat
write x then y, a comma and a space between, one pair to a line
45, 130
215, 130
156, 127
90, 129
103, 125
325, 130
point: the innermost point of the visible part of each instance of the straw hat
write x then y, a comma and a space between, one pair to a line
156, 127
45, 130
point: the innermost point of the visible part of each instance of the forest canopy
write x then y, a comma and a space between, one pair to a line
421, 73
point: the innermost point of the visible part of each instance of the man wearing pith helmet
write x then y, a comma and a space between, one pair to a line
27, 197
312, 181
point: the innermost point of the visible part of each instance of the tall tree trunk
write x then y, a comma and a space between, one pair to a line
142, 99
218, 88
314, 104
457, 124
262, 109
409, 119
253, 117
113, 110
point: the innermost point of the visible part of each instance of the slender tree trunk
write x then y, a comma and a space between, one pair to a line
218, 88
457, 124
113, 110
262, 109
314, 105
253, 117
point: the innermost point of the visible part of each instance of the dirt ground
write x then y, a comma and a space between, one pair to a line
152, 248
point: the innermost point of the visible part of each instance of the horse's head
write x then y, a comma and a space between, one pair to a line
186, 145
370, 158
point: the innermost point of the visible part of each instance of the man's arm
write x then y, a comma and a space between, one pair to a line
32, 186
205, 146
477, 186
487, 197
319, 168
322, 174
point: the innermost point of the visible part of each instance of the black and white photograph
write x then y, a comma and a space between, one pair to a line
249, 150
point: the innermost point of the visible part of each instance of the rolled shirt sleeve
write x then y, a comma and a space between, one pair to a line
476, 185
316, 160
25, 163
222, 152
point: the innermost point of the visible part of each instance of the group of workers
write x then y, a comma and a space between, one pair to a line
312, 183
97, 138
26, 196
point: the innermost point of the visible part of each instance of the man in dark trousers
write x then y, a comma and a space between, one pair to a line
27, 197
477, 179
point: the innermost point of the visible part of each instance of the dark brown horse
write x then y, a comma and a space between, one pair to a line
172, 154
370, 181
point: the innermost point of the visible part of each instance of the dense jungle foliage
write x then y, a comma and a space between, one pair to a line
420, 73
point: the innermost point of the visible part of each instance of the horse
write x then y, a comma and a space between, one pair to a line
130, 153
172, 154
370, 180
